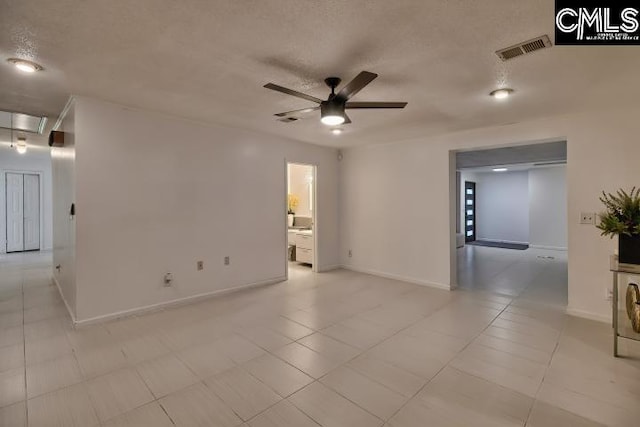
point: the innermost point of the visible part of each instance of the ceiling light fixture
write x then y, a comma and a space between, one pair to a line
501, 93
500, 169
21, 146
25, 66
336, 131
332, 113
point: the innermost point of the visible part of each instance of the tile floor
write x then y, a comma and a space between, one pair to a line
332, 349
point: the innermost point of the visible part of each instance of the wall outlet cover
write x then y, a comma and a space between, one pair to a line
587, 218
227, 260
200, 265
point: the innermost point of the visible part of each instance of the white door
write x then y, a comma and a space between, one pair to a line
15, 212
31, 223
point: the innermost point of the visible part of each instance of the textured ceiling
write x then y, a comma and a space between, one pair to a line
208, 60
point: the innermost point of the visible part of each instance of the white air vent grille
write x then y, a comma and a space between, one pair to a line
524, 48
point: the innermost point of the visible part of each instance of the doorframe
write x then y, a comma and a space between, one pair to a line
3, 185
314, 214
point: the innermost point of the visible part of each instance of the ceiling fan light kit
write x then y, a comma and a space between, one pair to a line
332, 110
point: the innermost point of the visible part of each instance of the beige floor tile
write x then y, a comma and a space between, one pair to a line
11, 336
586, 407
307, 360
100, 360
238, 348
363, 391
11, 320
264, 338
117, 393
46, 328
52, 375
198, 406
357, 332
288, 328
415, 358
282, 414
329, 409
12, 387
392, 377
283, 378
11, 357
67, 407
165, 375
143, 348
205, 360
44, 312
151, 415
330, 348
546, 415
514, 348
245, 394
417, 414
46, 349
14, 415
470, 397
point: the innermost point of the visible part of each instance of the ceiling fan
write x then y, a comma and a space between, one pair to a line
332, 111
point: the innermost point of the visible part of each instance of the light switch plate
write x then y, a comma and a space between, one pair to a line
587, 218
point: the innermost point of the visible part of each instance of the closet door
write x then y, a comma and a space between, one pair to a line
31, 212
15, 211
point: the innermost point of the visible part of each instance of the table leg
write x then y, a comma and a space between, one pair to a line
615, 314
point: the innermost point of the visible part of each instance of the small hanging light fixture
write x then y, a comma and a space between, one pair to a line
21, 146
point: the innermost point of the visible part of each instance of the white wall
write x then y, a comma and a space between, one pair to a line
503, 206
37, 160
548, 207
64, 226
396, 211
156, 194
299, 186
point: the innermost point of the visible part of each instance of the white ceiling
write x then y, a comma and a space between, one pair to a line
208, 60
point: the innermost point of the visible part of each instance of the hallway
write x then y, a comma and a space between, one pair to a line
332, 349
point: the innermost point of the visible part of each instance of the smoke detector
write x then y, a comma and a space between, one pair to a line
524, 48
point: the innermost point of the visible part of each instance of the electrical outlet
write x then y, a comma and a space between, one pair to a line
227, 260
608, 294
168, 279
200, 265
350, 253
587, 218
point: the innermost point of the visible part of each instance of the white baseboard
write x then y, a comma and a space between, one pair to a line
397, 277
173, 303
331, 267
551, 248
66, 304
588, 315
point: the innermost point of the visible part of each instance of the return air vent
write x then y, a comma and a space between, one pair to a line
524, 48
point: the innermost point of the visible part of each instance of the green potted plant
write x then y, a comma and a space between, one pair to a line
622, 218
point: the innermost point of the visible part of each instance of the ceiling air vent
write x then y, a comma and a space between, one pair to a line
288, 119
524, 47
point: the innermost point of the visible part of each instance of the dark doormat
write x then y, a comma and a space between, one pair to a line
503, 245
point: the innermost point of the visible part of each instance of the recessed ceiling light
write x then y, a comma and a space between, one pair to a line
25, 65
336, 131
501, 93
500, 169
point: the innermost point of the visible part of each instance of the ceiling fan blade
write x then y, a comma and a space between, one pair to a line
297, 113
293, 92
355, 85
347, 120
375, 105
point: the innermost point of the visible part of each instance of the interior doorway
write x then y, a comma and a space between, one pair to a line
511, 221
22, 211
301, 211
